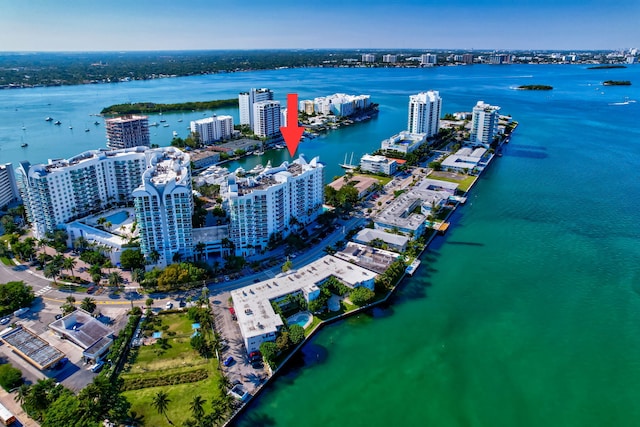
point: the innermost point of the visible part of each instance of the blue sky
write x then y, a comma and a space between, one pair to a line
85, 25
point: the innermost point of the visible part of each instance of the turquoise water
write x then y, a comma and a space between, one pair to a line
300, 319
526, 313
117, 218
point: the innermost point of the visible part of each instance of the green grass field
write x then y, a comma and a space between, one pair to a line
464, 181
153, 362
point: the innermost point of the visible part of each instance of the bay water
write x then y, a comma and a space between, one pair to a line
526, 313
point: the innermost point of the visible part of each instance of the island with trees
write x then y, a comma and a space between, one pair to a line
535, 87
151, 107
616, 83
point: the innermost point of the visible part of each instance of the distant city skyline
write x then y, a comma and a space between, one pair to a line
75, 25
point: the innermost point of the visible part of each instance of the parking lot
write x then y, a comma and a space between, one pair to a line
240, 370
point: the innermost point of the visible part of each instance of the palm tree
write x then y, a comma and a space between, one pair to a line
68, 264
88, 304
58, 260
115, 279
197, 408
200, 248
154, 256
51, 271
137, 275
177, 257
22, 393
42, 258
160, 402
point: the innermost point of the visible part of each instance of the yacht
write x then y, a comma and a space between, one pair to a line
48, 119
175, 134
96, 123
58, 123
24, 144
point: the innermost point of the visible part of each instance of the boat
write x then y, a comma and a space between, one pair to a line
175, 134
96, 123
24, 144
162, 120
154, 124
259, 168
70, 127
279, 146
166, 125
48, 119
58, 123
87, 130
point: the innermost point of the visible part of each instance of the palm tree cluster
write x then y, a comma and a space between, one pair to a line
220, 407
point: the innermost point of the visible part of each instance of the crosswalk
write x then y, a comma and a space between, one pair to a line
42, 291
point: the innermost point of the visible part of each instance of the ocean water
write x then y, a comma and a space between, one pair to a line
526, 313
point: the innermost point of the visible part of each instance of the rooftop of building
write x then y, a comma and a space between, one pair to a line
376, 158
360, 182
126, 119
252, 303
168, 165
30, 346
406, 137
369, 234
373, 259
79, 327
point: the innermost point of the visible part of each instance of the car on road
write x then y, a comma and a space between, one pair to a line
169, 305
228, 361
21, 311
58, 316
4, 321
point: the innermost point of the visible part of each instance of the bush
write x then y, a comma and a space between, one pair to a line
10, 377
361, 295
296, 334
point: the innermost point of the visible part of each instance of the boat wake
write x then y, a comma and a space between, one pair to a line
631, 101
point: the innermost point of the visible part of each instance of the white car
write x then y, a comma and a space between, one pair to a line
4, 321
169, 305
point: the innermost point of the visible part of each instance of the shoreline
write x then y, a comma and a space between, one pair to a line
318, 327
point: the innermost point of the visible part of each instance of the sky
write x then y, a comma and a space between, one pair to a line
118, 25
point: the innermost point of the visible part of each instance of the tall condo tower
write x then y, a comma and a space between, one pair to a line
424, 113
127, 132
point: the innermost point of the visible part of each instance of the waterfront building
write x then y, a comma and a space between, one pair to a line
466, 160
69, 193
428, 59
368, 57
484, 123
394, 242
500, 59
467, 58
257, 319
127, 132
266, 118
164, 205
424, 113
378, 164
212, 129
273, 203
64, 190
204, 158
390, 59
340, 104
8, 188
404, 142
86, 332
246, 101
374, 259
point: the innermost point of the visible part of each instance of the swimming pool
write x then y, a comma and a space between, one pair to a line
117, 217
303, 319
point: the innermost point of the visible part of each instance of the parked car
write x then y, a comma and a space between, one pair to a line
4, 321
255, 355
97, 367
21, 311
228, 361
169, 305
58, 316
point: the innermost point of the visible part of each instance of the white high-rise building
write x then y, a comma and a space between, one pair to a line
8, 188
266, 118
158, 181
127, 132
246, 101
390, 59
213, 128
428, 59
340, 104
164, 206
484, 123
273, 203
424, 113
368, 57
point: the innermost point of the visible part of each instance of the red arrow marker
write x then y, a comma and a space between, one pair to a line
292, 132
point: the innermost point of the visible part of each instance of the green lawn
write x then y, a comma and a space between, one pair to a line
463, 181
180, 396
384, 180
153, 362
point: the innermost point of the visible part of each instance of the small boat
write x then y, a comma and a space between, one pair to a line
48, 119
70, 127
162, 120
96, 123
58, 123
175, 134
166, 125
180, 120
24, 144
87, 130
154, 124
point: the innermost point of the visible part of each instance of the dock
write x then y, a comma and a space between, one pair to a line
411, 268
